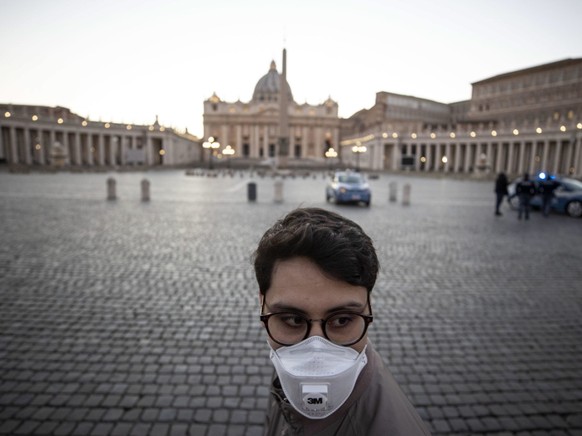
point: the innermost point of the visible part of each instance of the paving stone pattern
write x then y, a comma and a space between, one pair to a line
131, 318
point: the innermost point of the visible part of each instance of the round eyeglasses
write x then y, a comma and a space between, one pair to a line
342, 328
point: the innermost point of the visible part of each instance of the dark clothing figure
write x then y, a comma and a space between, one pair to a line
525, 190
547, 188
500, 191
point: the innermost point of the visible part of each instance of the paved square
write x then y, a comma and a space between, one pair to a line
141, 318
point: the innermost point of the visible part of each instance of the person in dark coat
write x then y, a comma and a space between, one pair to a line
525, 190
500, 191
547, 188
315, 271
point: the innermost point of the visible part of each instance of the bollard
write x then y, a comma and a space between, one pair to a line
392, 190
279, 191
252, 191
145, 190
406, 195
111, 189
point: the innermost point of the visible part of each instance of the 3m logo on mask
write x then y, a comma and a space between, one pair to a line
314, 396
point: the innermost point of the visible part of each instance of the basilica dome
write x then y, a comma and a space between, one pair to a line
267, 88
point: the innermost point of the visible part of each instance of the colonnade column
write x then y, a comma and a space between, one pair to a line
13, 145
78, 149
498, 157
557, 156
532, 158
520, 161
27, 144
578, 156
89, 147
545, 154
427, 167
40, 152
509, 163
100, 150
468, 154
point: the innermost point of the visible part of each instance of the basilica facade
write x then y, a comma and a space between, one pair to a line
254, 128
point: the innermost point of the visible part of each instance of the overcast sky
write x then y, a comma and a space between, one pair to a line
130, 60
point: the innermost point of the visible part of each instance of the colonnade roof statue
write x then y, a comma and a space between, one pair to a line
267, 88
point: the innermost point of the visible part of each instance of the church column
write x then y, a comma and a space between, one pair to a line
318, 143
238, 144
305, 142
256, 142
266, 142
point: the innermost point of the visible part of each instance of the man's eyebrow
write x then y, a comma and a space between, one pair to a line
283, 307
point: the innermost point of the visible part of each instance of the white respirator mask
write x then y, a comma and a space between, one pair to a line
316, 375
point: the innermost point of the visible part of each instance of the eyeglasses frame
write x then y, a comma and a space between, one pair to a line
264, 317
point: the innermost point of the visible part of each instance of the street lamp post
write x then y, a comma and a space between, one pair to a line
358, 149
228, 152
211, 145
330, 154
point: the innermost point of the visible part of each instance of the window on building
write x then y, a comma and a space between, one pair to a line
246, 150
271, 150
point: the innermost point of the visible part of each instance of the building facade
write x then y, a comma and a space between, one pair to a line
527, 120
55, 136
253, 129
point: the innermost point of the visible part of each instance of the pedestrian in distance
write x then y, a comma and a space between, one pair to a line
525, 190
547, 187
315, 271
500, 191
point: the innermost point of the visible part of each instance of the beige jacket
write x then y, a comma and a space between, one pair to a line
376, 407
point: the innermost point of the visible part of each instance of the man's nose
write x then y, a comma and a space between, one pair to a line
316, 328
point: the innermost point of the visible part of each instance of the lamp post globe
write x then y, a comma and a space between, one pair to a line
358, 149
211, 144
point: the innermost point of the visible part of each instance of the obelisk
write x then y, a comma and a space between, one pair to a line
283, 153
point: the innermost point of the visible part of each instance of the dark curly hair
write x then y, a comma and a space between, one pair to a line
336, 244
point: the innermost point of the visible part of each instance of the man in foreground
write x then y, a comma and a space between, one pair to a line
316, 270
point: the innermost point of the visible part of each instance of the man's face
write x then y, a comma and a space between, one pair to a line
299, 285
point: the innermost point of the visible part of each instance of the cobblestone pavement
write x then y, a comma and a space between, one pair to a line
131, 318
